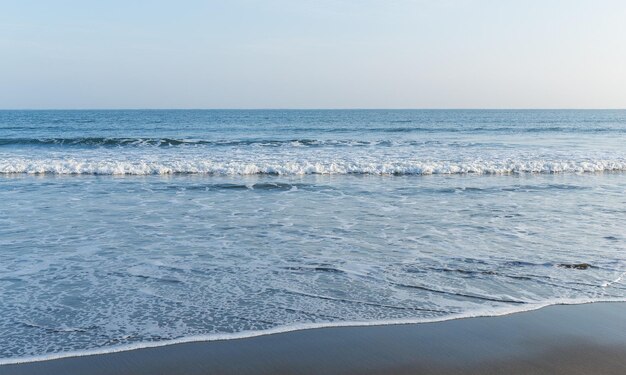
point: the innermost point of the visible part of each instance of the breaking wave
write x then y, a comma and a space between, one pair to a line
170, 142
76, 166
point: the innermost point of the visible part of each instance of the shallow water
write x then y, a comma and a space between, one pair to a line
129, 227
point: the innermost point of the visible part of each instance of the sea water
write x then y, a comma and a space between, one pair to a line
123, 229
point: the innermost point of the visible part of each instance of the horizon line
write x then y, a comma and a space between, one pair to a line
317, 109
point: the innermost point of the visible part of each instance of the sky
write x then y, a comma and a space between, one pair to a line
312, 54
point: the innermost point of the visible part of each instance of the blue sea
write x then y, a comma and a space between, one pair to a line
127, 229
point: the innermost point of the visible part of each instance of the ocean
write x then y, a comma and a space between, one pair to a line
127, 229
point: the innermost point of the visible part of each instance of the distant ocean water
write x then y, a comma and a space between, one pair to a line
123, 229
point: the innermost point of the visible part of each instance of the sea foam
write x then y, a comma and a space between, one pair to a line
72, 166
292, 328
267, 224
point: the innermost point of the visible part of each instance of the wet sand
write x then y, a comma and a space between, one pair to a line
577, 339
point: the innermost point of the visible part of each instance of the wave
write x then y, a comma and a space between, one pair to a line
70, 166
118, 142
172, 142
436, 128
500, 311
168, 142
159, 142
97, 141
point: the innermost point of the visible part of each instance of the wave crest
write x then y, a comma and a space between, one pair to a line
329, 167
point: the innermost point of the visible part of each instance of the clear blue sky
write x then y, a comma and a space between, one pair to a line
313, 54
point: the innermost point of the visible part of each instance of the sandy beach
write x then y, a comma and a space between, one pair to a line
312, 187
563, 339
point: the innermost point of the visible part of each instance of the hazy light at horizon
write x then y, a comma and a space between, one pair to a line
313, 54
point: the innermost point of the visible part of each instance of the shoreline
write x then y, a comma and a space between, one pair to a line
595, 332
285, 329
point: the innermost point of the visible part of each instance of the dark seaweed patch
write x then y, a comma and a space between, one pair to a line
576, 266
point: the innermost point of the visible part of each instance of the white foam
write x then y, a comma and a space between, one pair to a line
75, 166
617, 280
298, 327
